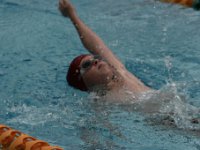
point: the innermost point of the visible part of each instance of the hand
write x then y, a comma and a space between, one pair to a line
66, 8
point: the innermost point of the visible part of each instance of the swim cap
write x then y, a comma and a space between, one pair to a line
74, 77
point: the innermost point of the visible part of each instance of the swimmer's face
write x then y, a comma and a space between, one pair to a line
95, 72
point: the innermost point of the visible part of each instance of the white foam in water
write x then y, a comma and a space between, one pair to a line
32, 115
166, 106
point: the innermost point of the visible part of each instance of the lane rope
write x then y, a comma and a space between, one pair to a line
11, 139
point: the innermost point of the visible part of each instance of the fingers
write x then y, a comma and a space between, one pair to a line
61, 4
66, 8
64, 2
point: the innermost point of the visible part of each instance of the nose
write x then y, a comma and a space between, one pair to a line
96, 61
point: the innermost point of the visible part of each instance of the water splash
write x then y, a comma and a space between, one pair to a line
169, 107
168, 64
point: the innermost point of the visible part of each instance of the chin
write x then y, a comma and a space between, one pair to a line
107, 76
106, 71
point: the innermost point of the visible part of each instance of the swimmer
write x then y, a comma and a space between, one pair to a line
103, 73
100, 71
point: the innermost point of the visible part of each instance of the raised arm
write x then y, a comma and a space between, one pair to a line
88, 38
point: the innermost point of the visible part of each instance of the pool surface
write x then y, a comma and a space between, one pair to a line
158, 42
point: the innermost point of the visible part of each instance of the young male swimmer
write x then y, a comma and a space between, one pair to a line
101, 71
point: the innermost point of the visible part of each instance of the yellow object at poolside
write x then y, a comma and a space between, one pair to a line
15, 140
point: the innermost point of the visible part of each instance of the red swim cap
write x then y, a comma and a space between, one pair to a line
73, 76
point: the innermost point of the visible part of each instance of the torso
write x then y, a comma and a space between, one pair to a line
132, 83
127, 88
124, 88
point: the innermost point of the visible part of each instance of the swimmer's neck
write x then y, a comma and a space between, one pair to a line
121, 89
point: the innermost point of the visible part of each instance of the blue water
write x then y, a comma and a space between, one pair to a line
158, 42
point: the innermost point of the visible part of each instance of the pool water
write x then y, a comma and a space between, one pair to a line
158, 42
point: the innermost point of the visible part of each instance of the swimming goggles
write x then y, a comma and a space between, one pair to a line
86, 65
